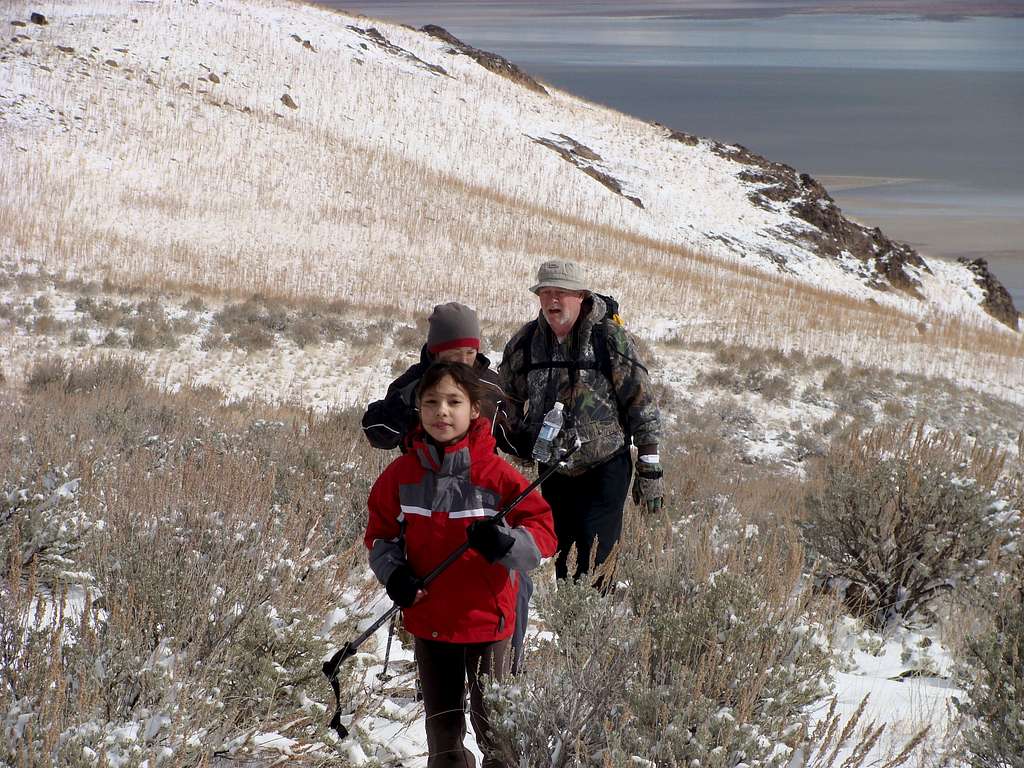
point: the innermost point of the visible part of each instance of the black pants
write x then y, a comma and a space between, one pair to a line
588, 507
444, 670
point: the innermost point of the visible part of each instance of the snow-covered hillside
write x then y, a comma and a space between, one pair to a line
251, 146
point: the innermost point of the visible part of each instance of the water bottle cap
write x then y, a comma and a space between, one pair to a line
558, 406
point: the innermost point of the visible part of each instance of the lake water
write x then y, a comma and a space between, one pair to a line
914, 125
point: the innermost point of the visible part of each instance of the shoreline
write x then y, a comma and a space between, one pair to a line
941, 230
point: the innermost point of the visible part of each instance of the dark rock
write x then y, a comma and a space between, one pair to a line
489, 61
997, 301
685, 138
213, 78
65, 49
308, 46
573, 152
296, 38
374, 35
580, 150
780, 184
38, 18
288, 101
110, 63
17, 23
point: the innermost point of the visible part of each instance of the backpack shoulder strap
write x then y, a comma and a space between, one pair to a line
600, 339
525, 345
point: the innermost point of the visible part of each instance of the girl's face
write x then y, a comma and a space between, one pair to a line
446, 412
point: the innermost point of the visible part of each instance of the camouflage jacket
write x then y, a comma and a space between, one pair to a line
605, 414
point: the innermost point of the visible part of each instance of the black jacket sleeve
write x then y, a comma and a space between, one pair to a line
387, 422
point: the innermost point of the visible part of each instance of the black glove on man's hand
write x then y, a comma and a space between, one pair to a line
489, 540
649, 487
403, 586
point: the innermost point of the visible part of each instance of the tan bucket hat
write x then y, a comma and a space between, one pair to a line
560, 274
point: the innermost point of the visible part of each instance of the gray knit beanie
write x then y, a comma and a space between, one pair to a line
452, 325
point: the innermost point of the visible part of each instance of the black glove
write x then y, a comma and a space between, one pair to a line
403, 586
486, 538
648, 487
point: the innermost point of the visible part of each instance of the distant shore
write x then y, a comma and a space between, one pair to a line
938, 10
940, 229
952, 11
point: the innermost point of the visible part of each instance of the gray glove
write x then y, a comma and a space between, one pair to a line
649, 487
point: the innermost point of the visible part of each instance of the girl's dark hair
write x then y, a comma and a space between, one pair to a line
463, 375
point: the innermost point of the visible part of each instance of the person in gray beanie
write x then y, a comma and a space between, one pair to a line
453, 336
578, 353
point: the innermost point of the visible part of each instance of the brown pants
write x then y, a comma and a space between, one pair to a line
444, 670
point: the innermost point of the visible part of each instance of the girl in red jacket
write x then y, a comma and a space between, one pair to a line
448, 489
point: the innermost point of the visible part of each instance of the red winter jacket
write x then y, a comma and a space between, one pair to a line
420, 508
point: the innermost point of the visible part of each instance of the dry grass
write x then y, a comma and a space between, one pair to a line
374, 218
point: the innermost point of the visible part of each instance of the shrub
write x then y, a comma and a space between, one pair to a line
252, 324
47, 372
47, 324
105, 373
304, 333
184, 609
183, 326
701, 656
107, 313
252, 338
834, 379
905, 517
772, 387
214, 339
992, 708
150, 328
79, 338
411, 337
113, 339
85, 304
195, 304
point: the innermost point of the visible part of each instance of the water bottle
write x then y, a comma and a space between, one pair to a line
542, 449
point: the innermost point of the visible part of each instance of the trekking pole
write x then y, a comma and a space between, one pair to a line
383, 674
332, 665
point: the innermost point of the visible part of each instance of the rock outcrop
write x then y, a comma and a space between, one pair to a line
833, 234
583, 158
997, 301
489, 61
374, 35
